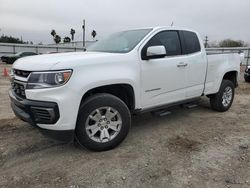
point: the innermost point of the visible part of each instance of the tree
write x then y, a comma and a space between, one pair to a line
66, 39
72, 32
10, 39
232, 43
57, 39
93, 34
53, 33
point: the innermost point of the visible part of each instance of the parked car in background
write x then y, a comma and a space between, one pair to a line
12, 58
247, 74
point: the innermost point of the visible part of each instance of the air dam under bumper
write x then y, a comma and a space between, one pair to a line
40, 112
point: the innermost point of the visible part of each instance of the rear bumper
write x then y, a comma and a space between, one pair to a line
40, 112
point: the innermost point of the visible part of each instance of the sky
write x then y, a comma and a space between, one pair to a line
33, 20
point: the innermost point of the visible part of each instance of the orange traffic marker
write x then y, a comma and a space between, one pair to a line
5, 72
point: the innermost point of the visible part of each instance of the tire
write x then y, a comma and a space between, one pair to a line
96, 129
227, 92
247, 78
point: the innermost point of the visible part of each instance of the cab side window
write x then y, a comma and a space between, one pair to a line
169, 39
191, 42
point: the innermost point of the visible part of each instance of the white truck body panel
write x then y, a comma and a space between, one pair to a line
218, 65
155, 82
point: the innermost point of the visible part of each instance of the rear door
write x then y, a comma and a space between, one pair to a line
196, 60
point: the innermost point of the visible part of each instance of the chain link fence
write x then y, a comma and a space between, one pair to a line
244, 51
9, 49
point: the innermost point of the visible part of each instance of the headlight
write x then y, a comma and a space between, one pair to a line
38, 80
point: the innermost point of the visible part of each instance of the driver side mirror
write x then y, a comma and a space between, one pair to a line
154, 52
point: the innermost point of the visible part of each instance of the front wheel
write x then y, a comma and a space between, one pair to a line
223, 100
103, 122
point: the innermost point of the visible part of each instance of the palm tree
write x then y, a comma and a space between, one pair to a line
93, 33
66, 39
57, 39
72, 32
53, 32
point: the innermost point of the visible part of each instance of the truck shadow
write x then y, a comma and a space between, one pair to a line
20, 139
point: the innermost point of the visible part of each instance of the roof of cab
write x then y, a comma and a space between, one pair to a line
166, 28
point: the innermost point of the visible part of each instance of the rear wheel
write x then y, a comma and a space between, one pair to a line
103, 122
223, 100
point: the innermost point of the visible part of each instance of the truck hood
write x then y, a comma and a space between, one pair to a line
60, 60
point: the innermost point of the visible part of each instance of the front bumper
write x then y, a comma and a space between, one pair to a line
40, 112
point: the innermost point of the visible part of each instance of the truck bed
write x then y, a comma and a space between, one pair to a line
218, 64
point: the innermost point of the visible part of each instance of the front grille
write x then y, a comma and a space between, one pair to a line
19, 89
43, 115
21, 73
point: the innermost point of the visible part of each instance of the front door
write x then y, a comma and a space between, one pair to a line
163, 80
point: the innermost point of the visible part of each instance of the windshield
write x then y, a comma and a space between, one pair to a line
121, 42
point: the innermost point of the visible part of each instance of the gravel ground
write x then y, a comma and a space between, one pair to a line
189, 148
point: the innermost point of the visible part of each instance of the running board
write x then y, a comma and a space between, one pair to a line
161, 113
167, 111
190, 106
167, 106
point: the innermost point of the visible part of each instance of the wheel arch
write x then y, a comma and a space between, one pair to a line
124, 91
232, 76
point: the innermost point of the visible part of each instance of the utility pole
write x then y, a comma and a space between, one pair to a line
83, 34
206, 41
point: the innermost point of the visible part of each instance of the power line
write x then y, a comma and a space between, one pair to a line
83, 34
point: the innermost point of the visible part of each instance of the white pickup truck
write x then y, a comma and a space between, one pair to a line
90, 96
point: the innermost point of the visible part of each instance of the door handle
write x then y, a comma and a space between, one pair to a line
182, 64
